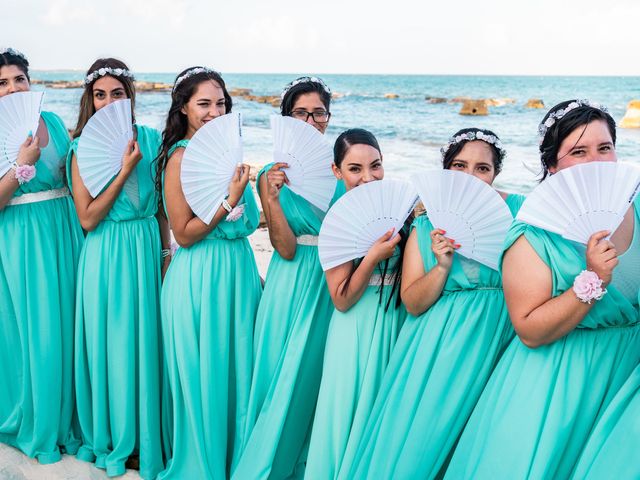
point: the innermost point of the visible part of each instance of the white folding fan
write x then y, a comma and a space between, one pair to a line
578, 201
469, 210
19, 115
209, 163
360, 217
309, 156
103, 144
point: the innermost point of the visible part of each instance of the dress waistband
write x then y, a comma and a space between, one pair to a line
307, 240
39, 196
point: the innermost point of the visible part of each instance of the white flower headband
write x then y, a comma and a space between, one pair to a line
101, 72
558, 114
474, 135
305, 80
11, 51
190, 73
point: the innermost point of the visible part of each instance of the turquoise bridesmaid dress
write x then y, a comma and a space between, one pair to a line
210, 297
290, 334
359, 343
534, 417
40, 242
441, 362
612, 448
118, 361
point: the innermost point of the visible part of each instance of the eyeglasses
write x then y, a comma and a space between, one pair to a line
320, 116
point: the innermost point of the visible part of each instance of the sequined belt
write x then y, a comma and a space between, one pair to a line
307, 240
376, 280
39, 196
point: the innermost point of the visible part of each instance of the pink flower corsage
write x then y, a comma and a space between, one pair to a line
235, 213
173, 248
588, 286
24, 173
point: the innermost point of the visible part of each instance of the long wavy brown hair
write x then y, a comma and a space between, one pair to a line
176, 126
86, 101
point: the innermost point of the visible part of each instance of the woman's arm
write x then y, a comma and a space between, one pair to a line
280, 234
419, 290
28, 155
91, 211
165, 238
187, 228
538, 318
345, 298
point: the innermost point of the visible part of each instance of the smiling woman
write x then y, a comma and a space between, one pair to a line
210, 295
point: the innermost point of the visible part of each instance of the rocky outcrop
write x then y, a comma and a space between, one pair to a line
391, 95
140, 86
534, 103
499, 102
474, 107
631, 118
435, 100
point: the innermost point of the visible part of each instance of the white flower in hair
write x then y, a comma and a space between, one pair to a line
12, 51
558, 114
101, 72
300, 80
190, 73
477, 135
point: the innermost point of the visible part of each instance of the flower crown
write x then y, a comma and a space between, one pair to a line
558, 114
12, 51
300, 80
474, 135
101, 72
191, 72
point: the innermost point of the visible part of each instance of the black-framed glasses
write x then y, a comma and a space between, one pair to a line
319, 116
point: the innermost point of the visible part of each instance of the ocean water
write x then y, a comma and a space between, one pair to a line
410, 130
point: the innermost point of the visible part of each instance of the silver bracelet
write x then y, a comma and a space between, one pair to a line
227, 206
166, 252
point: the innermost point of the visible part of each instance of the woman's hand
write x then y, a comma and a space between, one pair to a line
131, 157
602, 256
276, 178
384, 247
238, 183
29, 152
443, 248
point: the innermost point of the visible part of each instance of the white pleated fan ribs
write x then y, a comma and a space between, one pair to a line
360, 217
469, 210
309, 157
103, 143
583, 199
209, 163
19, 115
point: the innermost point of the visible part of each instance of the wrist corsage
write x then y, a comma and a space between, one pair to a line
24, 173
588, 286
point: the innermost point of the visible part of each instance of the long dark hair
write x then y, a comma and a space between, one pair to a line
176, 125
308, 86
562, 128
13, 57
86, 101
359, 136
450, 154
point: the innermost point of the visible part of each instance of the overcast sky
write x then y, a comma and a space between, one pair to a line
545, 37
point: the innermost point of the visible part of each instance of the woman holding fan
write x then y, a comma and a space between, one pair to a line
457, 328
294, 313
368, 315
575, 310
40, 242
117, 343
212, 288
